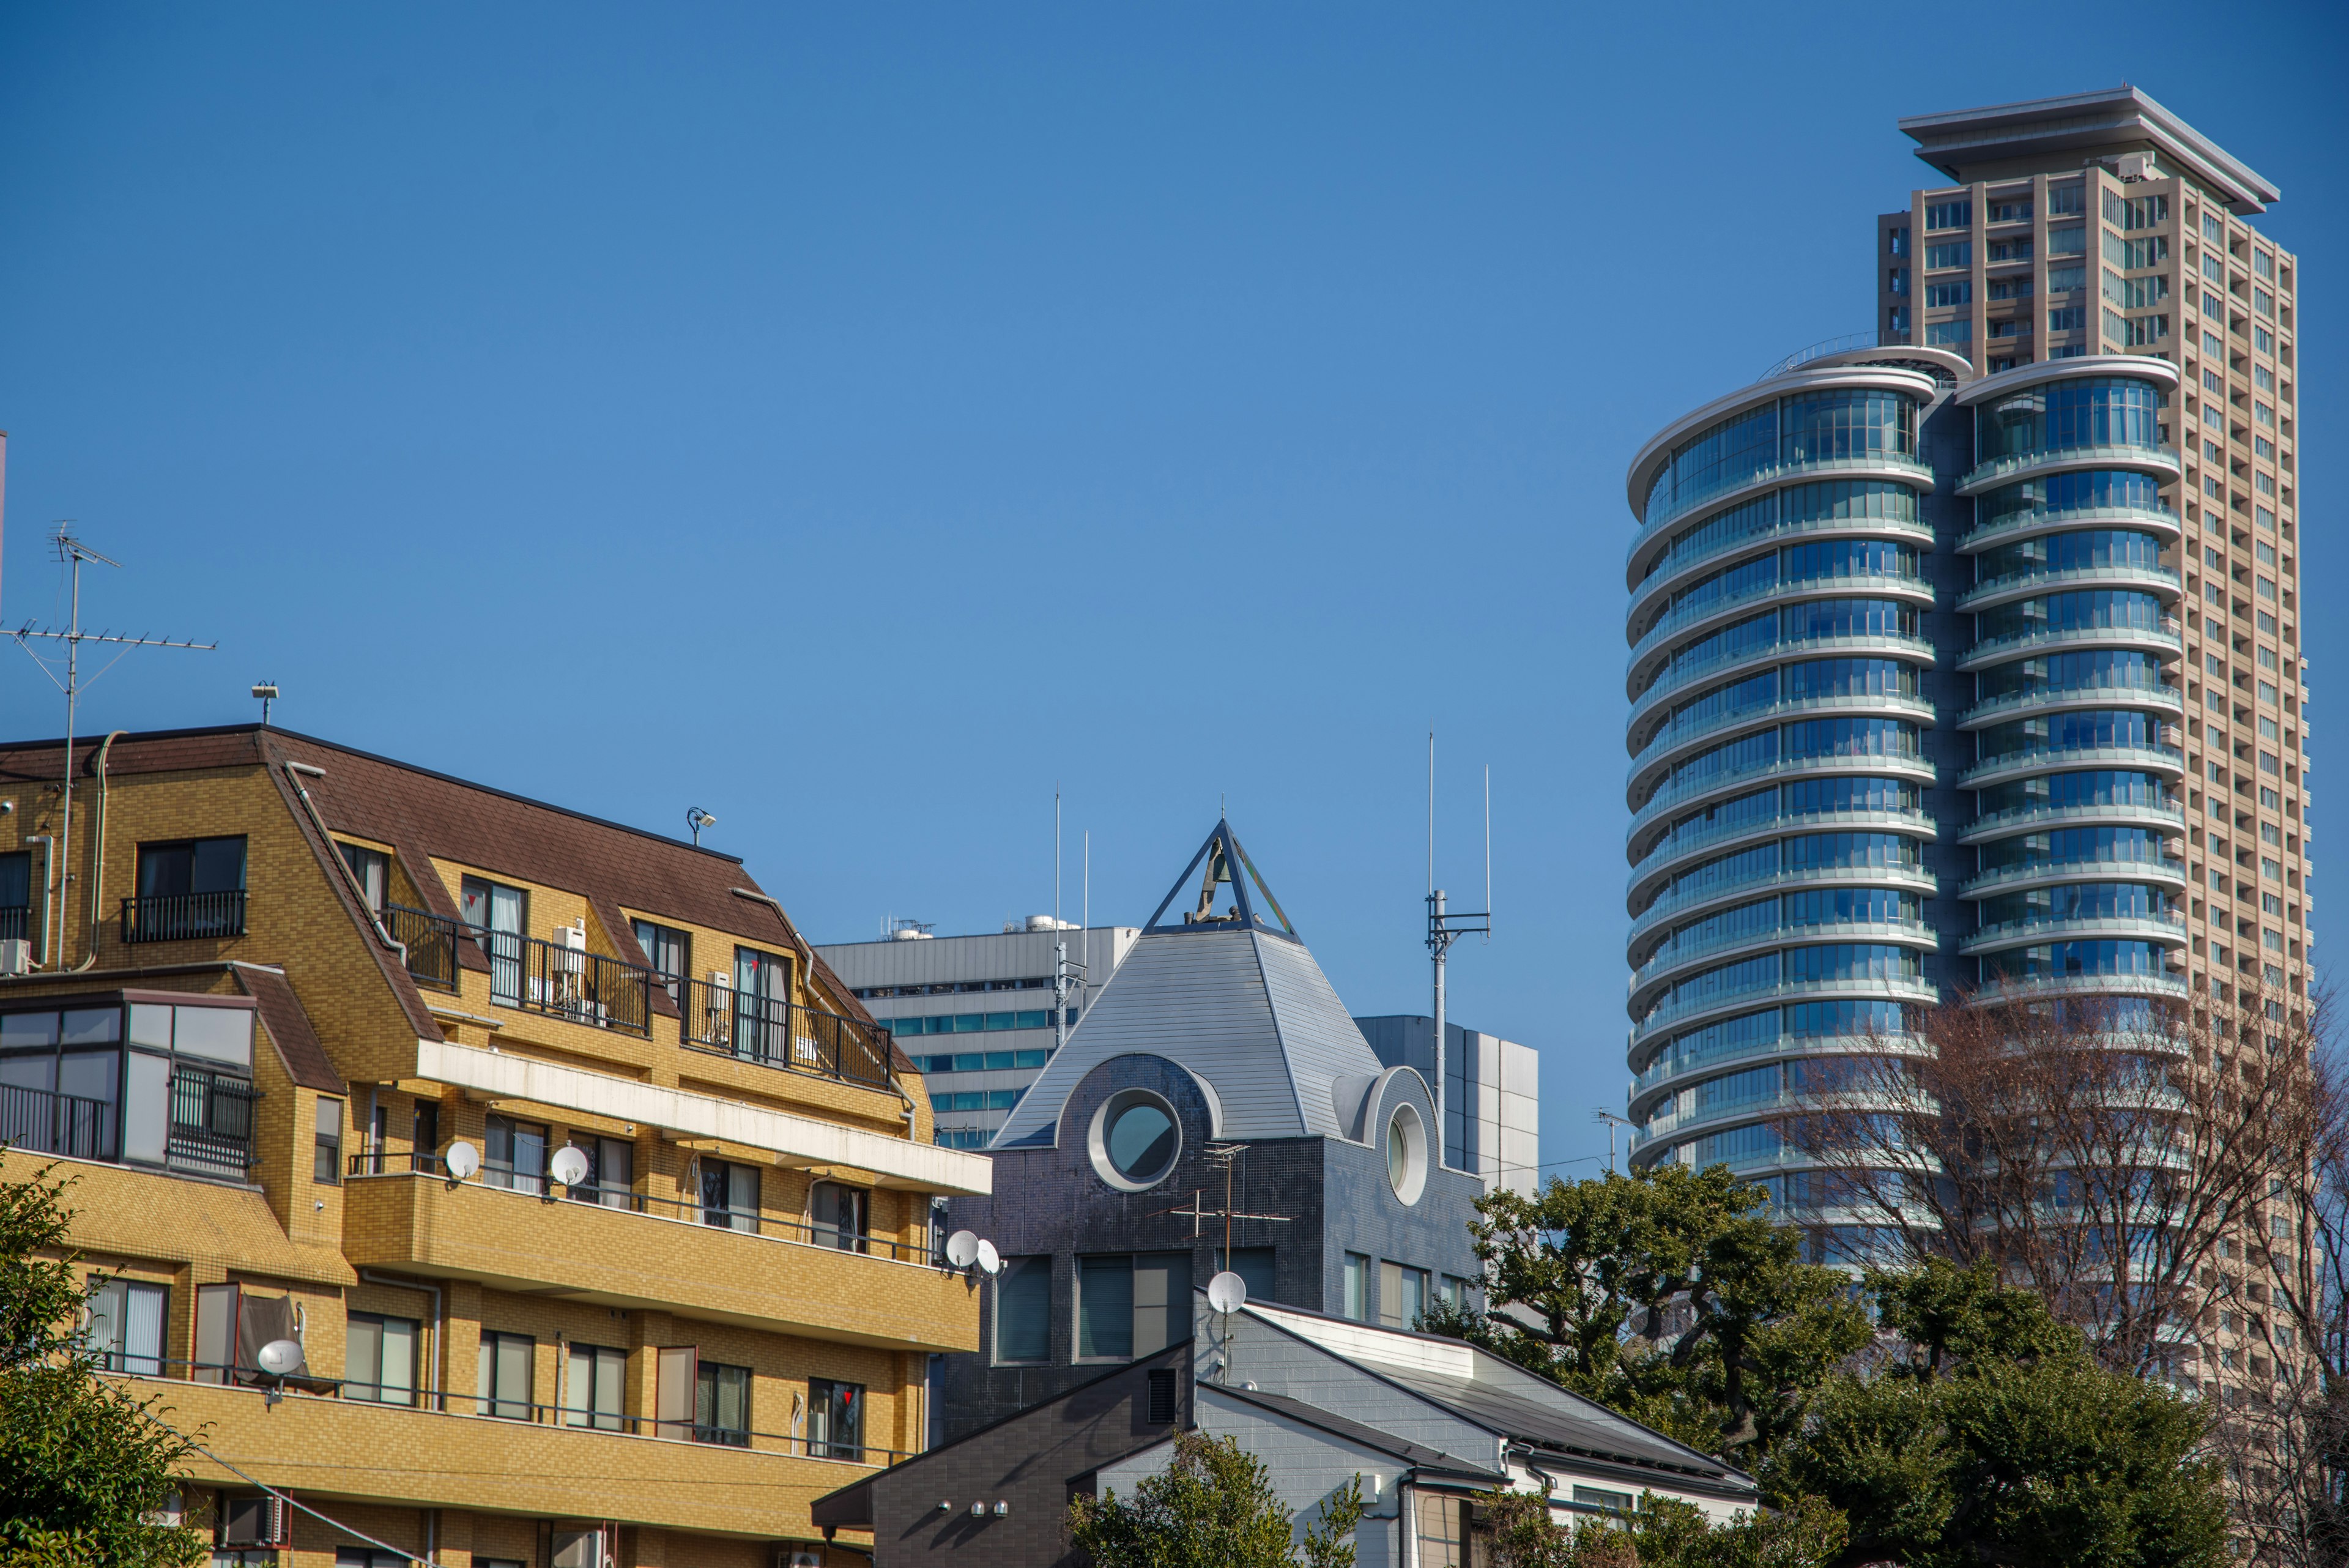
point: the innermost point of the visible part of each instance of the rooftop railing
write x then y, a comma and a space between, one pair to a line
431, 943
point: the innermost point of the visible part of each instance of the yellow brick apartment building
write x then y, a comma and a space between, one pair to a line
599, 1211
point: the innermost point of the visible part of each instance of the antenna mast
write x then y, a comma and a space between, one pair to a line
1444, 927
59, 870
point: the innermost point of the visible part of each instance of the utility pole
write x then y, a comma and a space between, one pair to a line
1444, 927
1612, 1121
73, 551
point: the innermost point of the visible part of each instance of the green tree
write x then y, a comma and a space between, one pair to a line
1667, 1295
1662, 1532
81, 1463
1990, 1433
1212, 1507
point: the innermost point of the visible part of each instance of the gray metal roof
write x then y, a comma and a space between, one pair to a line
1247, 1009
2092, 122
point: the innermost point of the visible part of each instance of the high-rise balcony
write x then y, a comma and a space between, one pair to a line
184, 916
776, 1033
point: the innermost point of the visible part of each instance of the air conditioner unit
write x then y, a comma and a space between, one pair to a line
799, 1557
15, 956
2139, 166
255, 1519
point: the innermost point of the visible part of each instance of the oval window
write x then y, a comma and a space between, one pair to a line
1135, 1140
1406, 1152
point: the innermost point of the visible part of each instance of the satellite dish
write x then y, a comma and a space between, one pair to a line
990, 1262
279, 1357
463, 1159
962, 1248
569, 1164
1227, 1293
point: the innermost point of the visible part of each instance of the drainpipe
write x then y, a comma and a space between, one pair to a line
97, 855
49, 893
294, 772
440, 1328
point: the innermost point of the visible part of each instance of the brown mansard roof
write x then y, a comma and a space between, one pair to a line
425, 813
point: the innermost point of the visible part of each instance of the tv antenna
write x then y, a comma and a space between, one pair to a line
1444, 927
1226, 1155
73, 552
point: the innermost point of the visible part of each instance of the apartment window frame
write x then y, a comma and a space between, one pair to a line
1356, 1304
668, 949
505, 1143
126, 1325
730, 1195
508, 1364
1128, 1304
327, 1152
603, 1371
835, 1422
387, 1343
1023, 1313
840, 1216
371, 871
497, 915
716, 1385
1405, 1295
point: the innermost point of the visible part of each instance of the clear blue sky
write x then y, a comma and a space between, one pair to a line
860, 420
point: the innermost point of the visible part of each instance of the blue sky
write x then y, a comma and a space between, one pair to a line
860, 421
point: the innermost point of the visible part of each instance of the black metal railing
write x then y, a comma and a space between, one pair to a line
184, 916
15, 922
208, 1131
569, 982
211, 1122
779, 1033
39, 1122
431, 943
796, 1228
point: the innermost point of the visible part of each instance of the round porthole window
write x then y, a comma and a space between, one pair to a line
1135, 1139
1406, 1152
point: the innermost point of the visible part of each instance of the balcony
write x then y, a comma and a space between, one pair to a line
206, 1129
774, 1033
430, 942
544, 1461
184, 916
628, 1250
567, 982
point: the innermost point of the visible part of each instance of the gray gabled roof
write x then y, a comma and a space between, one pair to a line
1243, 1007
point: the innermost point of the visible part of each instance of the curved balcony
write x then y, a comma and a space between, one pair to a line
2025, 585
1655, 533
2167, 760
1661, 969
1997, 470
2169, 639
1697, 1010
1696, 791
1668, 853
1694, 620
2053, 987
2030, 524
1675, 743
2169, 819
2165, 700
1645, 593
1651, 1082
1788, 650
2168, 928
1675, 907
2055, 873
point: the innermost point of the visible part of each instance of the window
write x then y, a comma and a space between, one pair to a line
504, 1388
2061, 279
2065, 199
2072, 240
1897, 319
1023, 1310
1960, 253
126, 1326
2263, 339
1162, 1396
1403, 1296
1130, 1306
611, 1172
424, 1127
379, 1359
189, 890
1253, 1265
371, 869
1948, 215
2131, 212
1939, 333
721, 1404
326, 1158
668, 950
498, 915
1896, 241
516, 1159
730, 1195
2264, 302
1899, 281
596, 1379
362, 1557
2017, 287
16, 894
763, 994
1945, 294
2009, 212
835, 1419
1358, 1287
837, 1216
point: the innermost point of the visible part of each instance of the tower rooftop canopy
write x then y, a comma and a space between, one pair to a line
2043, 134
